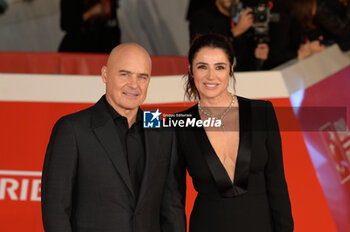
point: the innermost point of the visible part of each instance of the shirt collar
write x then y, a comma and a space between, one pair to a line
115, 114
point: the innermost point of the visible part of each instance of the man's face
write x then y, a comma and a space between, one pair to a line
127, 76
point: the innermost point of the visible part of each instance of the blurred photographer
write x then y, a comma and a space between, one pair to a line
219, 18
322, 23
90, 25
251, 22
311, 36
195, 5
333, 18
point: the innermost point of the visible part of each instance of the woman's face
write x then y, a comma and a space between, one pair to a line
211, 72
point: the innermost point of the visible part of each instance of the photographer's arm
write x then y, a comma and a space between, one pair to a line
244, 23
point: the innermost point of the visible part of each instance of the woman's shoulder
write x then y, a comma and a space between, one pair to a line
254, 102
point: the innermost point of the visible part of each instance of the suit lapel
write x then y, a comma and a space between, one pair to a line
104, 129
244, 148
223, 182
151, 150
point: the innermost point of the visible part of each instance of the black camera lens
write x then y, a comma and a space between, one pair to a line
261, 17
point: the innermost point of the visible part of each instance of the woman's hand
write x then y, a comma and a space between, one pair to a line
310, 48
304, 51
316, 46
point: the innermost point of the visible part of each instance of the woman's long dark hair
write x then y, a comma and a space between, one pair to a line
302, 11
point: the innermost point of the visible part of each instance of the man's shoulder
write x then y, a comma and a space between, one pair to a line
81, 117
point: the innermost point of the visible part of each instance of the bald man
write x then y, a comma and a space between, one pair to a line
103, 171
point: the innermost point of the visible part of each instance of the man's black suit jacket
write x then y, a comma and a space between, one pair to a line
86, 184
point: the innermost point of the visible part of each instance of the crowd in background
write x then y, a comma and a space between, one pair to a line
265, 33
90, 25
293, 28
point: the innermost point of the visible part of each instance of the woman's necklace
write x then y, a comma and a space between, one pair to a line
215, 117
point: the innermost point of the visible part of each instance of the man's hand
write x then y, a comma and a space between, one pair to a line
244, 23
262, 51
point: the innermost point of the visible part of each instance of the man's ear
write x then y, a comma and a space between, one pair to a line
104, 73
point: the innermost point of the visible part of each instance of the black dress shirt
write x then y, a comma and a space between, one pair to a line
132, 140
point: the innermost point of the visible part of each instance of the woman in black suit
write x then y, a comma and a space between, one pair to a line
237, 167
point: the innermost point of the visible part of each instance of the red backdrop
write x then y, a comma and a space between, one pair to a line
318, 203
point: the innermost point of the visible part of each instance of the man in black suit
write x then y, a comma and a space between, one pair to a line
103, 171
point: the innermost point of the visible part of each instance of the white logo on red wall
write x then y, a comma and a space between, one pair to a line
20, 185
336, 136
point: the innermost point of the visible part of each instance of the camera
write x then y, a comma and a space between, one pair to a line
261, 10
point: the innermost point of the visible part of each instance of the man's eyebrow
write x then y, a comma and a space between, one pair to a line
125, 71
129, 72
144, 74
